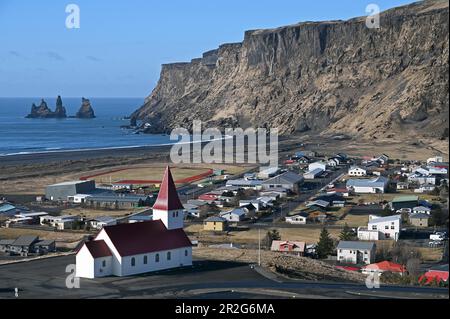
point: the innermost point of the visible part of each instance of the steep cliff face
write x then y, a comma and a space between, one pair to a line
336, 77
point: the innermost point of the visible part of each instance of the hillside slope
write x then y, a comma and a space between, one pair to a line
335, 77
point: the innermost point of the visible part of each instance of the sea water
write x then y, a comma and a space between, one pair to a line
19, 135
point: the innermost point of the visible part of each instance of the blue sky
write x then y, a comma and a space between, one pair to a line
120, 46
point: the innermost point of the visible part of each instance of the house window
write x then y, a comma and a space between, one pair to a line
374, 227
186, 252
169, 255
104, 263
133, 262
145, 260
392, 227
157, 258
386, 227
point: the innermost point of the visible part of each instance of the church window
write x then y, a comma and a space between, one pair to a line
157, 258
133, 262
169, 255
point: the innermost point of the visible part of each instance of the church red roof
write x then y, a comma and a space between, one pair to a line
168, 197
146, 237
98, 248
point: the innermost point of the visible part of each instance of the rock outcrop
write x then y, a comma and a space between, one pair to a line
334, 77
43, 111
86, 111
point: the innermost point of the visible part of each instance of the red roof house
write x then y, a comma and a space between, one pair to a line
383, 267
438, 274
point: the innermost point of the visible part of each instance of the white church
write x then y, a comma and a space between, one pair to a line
131, 249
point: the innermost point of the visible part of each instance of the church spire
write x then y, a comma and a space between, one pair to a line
168, 197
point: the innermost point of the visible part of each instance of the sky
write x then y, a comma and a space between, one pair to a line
120, 45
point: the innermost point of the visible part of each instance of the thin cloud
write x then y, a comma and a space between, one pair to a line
55, 56
15, 54
93, 58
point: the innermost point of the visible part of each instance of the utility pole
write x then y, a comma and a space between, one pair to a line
259, 247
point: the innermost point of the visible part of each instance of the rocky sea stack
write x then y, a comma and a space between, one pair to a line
43, 111
86, 111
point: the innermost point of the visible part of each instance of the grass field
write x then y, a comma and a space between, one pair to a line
68, 237
354, 220
308, 235
93, 213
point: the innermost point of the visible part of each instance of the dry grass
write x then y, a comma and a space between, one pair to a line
305, 234
93, 213
430, 254
354, 220
66, 237
298, 267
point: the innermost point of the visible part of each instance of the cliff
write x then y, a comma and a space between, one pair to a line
334, 77
43, 111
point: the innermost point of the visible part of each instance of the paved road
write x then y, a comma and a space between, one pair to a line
46, 279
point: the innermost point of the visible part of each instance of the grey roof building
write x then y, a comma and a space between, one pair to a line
288, 180
61, 191
357, 245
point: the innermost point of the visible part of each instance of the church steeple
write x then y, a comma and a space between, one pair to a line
168, 207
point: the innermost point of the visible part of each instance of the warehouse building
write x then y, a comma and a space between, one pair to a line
61, 191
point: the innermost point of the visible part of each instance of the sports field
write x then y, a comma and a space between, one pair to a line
149, 175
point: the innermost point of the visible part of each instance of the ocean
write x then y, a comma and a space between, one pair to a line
19, 135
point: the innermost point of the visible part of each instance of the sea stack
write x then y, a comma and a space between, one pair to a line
86, 111
43, 111
60, 110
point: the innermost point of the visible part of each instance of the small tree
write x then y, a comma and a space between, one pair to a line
325, 246
347, 233
270, 237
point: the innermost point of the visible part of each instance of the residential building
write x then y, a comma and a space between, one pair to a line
368, 186
407, 201
131, 249
290, 247
236, 215
384, 266
61, 191
268, 172
357, 171
388, 227
103, 221
288, 180
315, 173
60, 222
438, 273
402, 185
315, 165
25, 245
421, 210
419, 219
356, 252
245, 184
298, 219
215, 223
119, 201
257, 204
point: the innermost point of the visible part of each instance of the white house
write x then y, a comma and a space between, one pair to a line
421, 210
387, 228
59, 222
235, 215
78, 198
315, 165
357, 171
299, 219
131, 249
436, 159
255, 202
356, 252
103, 221
368, 186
